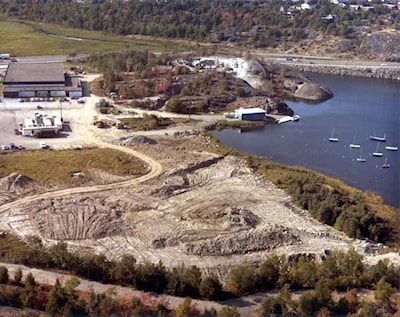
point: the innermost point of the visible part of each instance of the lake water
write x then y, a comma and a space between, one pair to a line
360, 107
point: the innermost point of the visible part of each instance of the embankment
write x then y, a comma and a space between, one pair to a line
381, 72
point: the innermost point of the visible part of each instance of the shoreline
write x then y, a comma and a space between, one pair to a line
373, 71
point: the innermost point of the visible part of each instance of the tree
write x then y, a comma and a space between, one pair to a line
210, 287
57, 299
242, 279
3, 275
384, 290
18, 276
30, 291
186, 309
308, 304
61, 257
125, 269
269, 272
228, 311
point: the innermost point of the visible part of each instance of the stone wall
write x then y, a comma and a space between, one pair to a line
348, 70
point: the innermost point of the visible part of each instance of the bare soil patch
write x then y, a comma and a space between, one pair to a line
204, 210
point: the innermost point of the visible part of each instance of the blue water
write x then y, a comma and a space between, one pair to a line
360, 108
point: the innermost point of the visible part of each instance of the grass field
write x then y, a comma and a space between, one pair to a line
20, 38
55, 167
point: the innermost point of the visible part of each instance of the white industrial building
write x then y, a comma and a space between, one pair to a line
40, 125
251, 114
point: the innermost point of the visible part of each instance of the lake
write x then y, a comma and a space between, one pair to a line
360, 107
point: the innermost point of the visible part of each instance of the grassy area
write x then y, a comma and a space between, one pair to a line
152, 122
32, 39
56, 167
238, 124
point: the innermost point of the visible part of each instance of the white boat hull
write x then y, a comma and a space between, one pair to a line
355, 146
378, 154
333, 140
391, 148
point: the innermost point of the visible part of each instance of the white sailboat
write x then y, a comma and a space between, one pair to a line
376, 153
332, 138
378, 138
360, 158
354, 145
386, 164
391, 148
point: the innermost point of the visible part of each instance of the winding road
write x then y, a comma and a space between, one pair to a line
86, 130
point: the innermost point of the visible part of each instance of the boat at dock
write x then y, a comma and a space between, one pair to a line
288, 119
391, 148
332, 138
378, 138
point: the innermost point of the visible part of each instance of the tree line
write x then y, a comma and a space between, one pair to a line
339, 273
263, 23
332, 203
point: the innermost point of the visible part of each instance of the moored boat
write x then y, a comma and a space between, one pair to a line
391, 148
354, 145
332, 138
360, 158
376, 153
386, 164
378, 138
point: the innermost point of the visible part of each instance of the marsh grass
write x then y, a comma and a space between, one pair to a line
20, 38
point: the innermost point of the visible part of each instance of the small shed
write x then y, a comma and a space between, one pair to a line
251, 114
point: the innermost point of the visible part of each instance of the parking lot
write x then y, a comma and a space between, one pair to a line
12, 112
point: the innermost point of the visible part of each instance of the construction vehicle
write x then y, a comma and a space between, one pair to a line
98, 123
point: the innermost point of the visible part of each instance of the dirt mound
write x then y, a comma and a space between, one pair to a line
138, 139
79, 218
18, 183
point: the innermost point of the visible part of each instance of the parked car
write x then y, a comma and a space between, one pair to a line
81, 100
43, 145
21, 147
5, 147
13, 146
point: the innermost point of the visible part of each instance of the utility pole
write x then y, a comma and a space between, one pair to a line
61, 111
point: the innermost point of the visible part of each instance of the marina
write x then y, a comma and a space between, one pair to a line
360, 108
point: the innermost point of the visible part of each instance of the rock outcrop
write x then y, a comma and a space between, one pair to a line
383, 46
274, 106
313, 92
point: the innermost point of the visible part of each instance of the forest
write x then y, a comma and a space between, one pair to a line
259, 24
317, 281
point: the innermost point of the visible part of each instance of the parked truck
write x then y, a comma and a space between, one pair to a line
4, 56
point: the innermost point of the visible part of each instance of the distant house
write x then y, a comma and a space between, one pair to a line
25, 80
307, 6
329, 18
250, 114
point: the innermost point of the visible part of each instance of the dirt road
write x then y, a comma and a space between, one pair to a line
247, 305
86, 131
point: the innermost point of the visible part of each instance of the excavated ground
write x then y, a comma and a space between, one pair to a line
204, 210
